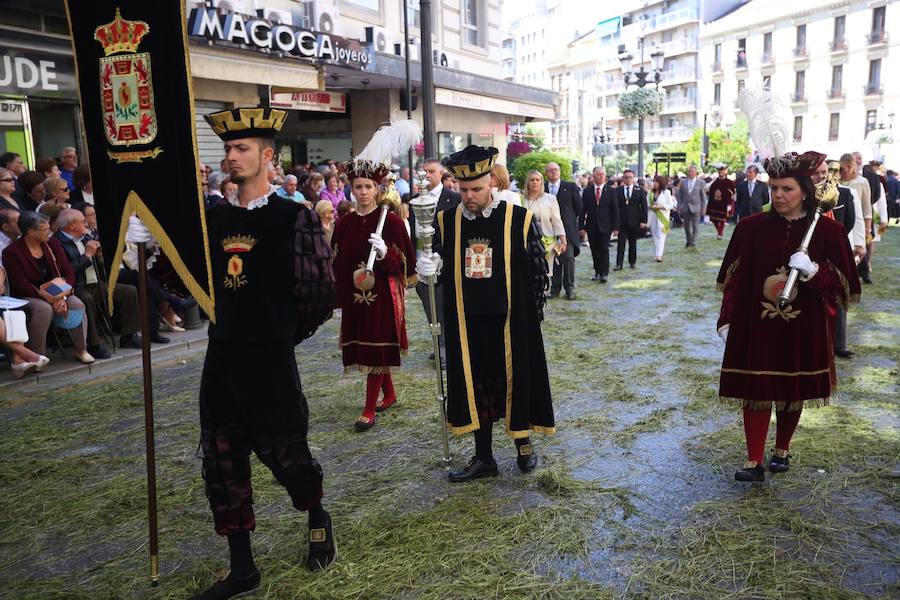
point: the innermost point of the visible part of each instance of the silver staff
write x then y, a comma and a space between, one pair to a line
424, 207
826, 196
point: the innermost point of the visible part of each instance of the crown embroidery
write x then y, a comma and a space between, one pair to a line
121, 35
238, 243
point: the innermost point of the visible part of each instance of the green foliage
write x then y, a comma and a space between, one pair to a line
536, 137
537, 161
730, 146
641, 102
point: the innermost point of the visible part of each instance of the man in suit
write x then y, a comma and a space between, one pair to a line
81, 249
446, 199
632, 201
691, 205
844, 212
599, 216
751, 194
569, 199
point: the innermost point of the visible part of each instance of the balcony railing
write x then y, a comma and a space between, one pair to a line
837, 45
766, 58
717, 66
873, 88
688, 44
670, 76
800, 52
876, 37
740, 63
835, 93
798, 97
679, 103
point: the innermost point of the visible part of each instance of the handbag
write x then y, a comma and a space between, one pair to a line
71, 320
16, 329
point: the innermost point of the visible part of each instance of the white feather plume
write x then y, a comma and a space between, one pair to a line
768, 130
391, 140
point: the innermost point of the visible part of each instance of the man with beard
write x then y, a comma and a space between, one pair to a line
250, 393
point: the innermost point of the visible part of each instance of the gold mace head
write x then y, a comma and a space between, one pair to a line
827, 194
389, 195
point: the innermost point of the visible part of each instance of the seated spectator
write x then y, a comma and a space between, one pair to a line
84, 187
13, 162
9, 230
344, 207
51, 211
332, 190
289, 189
23, 360
90, 218
56, 191
68, 160
7, 190
229, 189
313, 187
81, 249
32, 185
326, 214
32, 261
47, 167
214, 194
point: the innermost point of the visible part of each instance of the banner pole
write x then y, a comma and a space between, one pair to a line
148, 415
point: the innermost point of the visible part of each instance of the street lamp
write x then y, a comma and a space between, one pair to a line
642, 78
601, 136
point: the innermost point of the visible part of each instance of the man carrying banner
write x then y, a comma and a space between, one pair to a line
494, 278
250, 394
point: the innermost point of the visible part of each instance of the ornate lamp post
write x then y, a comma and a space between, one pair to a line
640, 79
602, 137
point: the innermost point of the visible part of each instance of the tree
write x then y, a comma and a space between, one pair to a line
535, 136
730, 146
538, 161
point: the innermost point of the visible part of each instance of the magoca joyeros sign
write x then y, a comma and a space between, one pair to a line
264, 35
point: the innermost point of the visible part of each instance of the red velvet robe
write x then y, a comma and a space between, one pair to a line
720, 210
785, 356
373, 323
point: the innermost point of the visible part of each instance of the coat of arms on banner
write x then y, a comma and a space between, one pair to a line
479, 259
126, 89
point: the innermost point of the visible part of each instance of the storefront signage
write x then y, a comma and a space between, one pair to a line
32, 74
312, 100
492, 104
11, 113
264, 36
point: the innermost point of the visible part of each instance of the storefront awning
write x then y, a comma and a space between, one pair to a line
608, 26
208, 63
493, 104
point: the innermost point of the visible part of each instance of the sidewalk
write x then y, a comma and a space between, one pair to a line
68, 370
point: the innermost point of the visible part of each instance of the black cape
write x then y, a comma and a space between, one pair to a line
495, 273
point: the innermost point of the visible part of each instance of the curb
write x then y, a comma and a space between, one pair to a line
120, 362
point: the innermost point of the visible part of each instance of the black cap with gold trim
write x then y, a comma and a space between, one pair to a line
471, 162
249, 122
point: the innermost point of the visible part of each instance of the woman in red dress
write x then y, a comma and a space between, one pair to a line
721, 200
373, 321
782, 357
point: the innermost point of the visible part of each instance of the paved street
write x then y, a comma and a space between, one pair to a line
633, 498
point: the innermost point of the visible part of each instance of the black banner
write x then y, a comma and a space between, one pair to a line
135, 86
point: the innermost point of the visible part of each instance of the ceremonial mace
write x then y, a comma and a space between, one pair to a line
424, 207
826, 197
388, 200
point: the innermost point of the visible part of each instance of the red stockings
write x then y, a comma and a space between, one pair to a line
756, 428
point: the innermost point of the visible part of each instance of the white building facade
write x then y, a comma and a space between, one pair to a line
827, 61
589, 78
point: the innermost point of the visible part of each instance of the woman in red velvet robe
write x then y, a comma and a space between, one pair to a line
373, 322
782, 357
721, 201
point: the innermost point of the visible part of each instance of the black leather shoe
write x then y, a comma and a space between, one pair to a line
867, 280
551, 296
595, 277
752, 471
322, 548
132, 340
840, 353
231, 587
526, 459
571, 295
780, 461
99, 351
363, 424
476, 469
603, 279
617, 268
158, 339
631, 266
